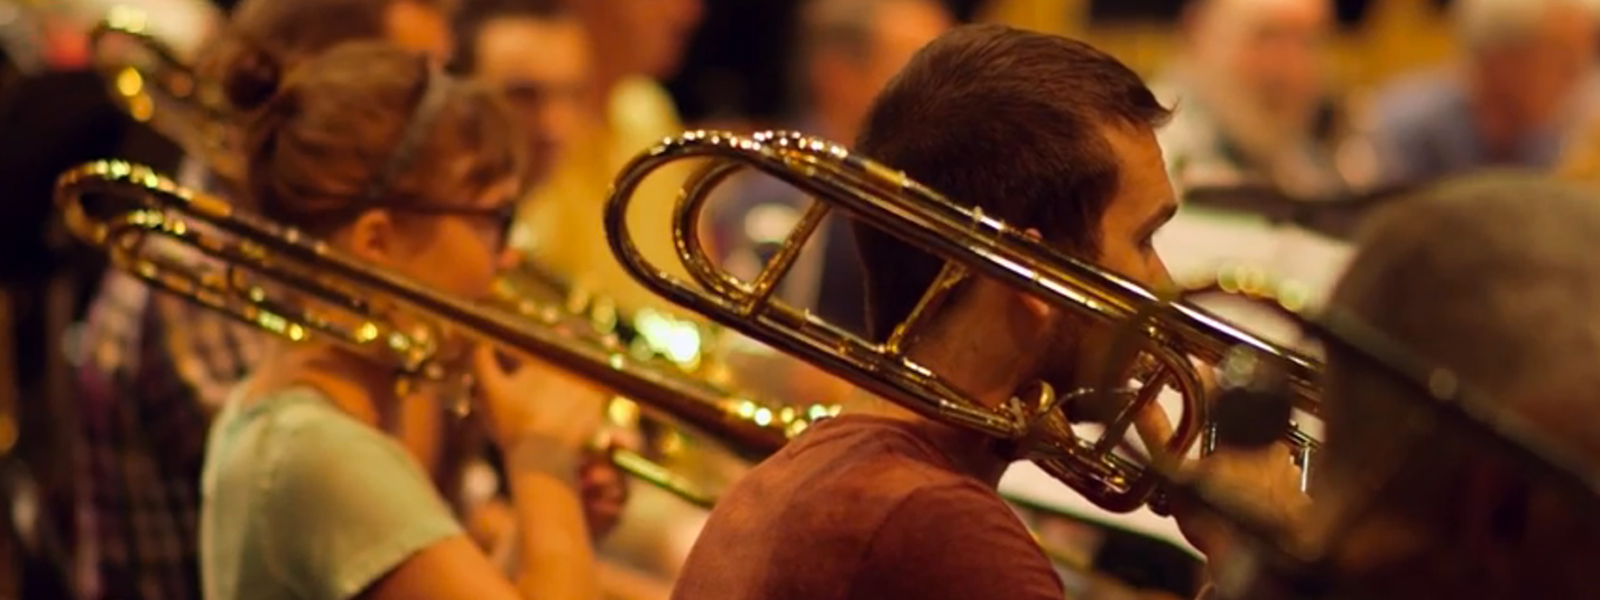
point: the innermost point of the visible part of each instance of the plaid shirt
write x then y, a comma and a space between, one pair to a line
152, 371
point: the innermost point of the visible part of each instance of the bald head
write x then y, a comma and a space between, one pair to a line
1496, 279
1485, 24
1234, 20
1528, 59
1259, 61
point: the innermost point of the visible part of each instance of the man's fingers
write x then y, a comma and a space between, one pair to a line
1153, 427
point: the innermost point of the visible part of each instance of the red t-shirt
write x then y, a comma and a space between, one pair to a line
869, 508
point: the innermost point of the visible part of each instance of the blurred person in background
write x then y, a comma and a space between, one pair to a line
155, 368
1250, 89
847, 51
1494, 279
1527, 76
633, 45
536, 53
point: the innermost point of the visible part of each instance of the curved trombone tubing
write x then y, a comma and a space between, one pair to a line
122, 208
166, 92
970, 242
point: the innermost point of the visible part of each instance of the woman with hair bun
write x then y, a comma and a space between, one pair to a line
153, 369
307, 491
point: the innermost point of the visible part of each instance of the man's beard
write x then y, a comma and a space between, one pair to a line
1061, 363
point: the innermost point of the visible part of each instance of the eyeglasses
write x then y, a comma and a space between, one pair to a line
432, 96
502, 218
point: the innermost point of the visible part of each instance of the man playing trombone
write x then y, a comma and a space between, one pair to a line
1048, 135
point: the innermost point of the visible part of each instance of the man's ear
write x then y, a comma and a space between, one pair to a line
372, 237
1036, 306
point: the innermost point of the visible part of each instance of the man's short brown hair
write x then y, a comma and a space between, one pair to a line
1008, 121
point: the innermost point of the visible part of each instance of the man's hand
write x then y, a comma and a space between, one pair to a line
1263, 482
604, 489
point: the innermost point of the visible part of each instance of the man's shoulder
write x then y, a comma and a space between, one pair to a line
938, 534
876, 469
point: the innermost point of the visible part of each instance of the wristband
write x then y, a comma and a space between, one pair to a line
545, 455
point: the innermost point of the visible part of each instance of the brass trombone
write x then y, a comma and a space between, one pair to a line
1168, 332
122, 208
152, 84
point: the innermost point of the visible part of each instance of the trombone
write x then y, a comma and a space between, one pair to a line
1166, 332
129, 211
153, 85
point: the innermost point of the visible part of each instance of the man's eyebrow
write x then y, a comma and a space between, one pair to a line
1158, 219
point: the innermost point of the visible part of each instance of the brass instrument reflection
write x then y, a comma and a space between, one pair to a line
1164, 333
154, 85
300, 289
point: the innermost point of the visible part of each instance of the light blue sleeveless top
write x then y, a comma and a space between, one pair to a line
299, 500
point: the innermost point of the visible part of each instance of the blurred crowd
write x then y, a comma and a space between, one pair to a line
1259, 113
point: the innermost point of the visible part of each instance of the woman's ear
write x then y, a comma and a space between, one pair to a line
372, 238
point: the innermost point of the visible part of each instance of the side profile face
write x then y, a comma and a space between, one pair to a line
419, 28
543, 68
1143, 203
457, 250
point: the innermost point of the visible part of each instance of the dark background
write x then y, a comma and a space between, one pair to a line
737, 64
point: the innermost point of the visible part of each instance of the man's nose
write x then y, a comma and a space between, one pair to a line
1161, 277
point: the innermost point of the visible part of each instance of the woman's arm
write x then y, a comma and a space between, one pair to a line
452, 569
542, 419
557, 560
621, 582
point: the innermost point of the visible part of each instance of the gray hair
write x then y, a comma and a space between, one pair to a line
1497, 278
1484, 24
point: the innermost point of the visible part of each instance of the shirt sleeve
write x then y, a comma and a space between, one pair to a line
343, 506
956, 542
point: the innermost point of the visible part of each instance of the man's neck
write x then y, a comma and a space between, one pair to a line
986, 371
972, 453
